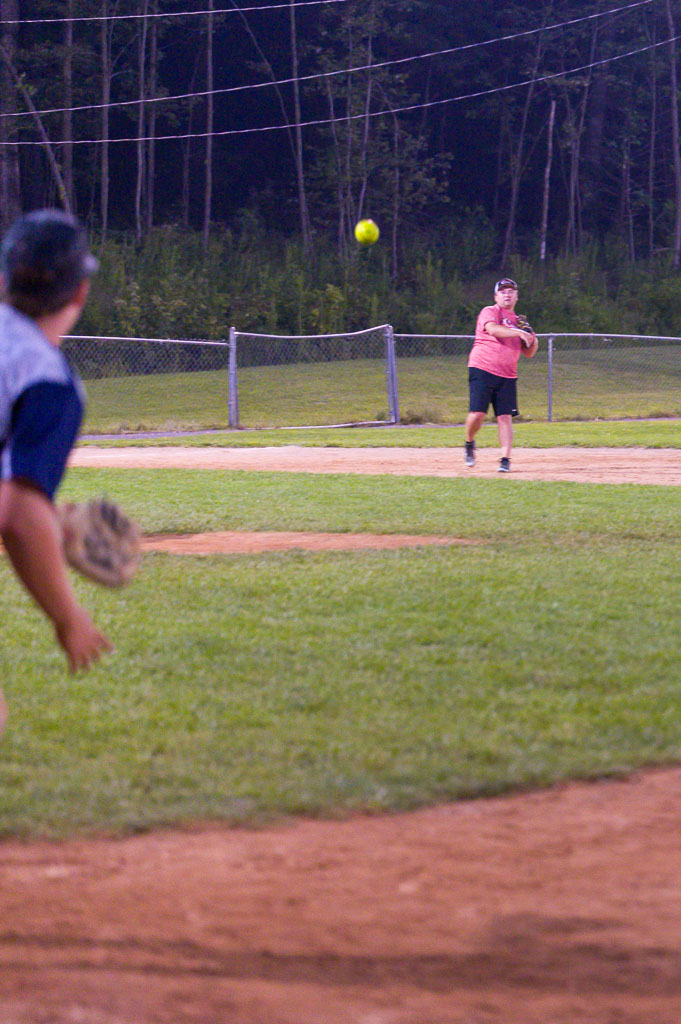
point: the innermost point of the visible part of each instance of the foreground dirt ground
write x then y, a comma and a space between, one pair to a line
560, 907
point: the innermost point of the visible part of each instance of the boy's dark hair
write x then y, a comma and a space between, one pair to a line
44, 257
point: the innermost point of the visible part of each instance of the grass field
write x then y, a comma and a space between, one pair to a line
602, 384
248, 687
609, 434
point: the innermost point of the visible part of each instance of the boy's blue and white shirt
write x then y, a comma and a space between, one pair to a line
41, 404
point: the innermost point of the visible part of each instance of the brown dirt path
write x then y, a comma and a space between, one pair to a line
583, 465
559, 907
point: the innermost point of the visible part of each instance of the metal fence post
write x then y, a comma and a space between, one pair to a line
391, 374
550, 376
232, 384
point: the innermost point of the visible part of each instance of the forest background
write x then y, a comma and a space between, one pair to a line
221, 153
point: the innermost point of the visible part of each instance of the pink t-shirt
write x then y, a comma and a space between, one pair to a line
496, 355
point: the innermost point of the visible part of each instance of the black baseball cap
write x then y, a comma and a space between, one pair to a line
43, 259
505, 282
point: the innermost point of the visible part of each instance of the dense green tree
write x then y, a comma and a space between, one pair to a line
443, 125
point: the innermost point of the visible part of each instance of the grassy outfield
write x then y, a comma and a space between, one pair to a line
587, 385
248, 687
610, 434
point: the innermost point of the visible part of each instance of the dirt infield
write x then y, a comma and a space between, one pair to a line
560, 907
583, 465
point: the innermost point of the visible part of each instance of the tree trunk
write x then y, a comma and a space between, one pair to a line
298, 135
186, 168
503, 142
342, 230
547, 183
396, 211
675, 139
187, 150
350, 210
266, 63
26, 96
573, 234
601, 81
142, 88
625, 213
366, 125
651, 147
151, 144
67, 116
10, 181
394, 249
105, 43
208, 190
517, 156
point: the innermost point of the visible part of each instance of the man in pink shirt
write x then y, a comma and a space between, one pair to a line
493, 369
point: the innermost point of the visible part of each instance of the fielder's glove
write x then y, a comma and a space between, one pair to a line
524, 325
100, 541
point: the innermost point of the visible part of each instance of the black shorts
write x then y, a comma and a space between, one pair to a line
485, 388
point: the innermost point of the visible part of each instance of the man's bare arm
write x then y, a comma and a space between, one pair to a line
499, 331
31, 536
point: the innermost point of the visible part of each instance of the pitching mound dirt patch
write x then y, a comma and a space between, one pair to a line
242, 542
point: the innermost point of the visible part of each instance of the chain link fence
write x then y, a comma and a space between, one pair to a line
95, 357
315, 379
371, 376
597, 376
152, 384
572, 377
432, 376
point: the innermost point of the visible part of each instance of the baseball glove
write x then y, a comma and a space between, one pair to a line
100, 541
524, 325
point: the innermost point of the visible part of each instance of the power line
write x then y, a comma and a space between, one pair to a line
331, 74
173, 14
355, 117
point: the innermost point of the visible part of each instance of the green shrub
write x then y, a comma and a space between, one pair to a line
265, 283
